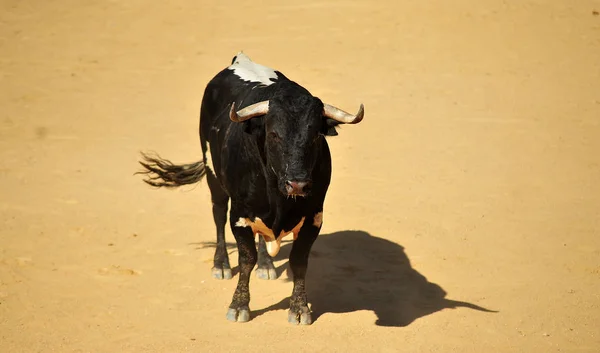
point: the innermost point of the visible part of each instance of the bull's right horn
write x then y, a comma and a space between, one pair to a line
256, 109
337, 114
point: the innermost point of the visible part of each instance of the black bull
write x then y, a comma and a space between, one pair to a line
264, 148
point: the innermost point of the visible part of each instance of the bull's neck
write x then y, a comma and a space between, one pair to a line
282, 212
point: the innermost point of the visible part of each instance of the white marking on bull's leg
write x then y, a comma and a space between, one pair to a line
242, 222
247, 70
209, 162
318, 220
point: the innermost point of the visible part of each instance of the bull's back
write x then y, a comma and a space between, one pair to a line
214, 121
226, 149
218, 95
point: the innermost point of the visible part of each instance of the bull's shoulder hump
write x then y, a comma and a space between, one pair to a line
247, 70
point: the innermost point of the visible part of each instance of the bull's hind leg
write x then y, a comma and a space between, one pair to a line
266, 269
221, 268
239, 309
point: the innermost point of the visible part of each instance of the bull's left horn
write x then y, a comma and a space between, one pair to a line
341, 116
256, 109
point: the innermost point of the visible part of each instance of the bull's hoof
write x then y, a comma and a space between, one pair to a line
266, 273
239, 314
300, 316
221, 272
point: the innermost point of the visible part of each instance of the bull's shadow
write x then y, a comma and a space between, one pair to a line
353, 270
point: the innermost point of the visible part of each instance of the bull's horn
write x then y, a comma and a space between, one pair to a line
339, 115
256, 109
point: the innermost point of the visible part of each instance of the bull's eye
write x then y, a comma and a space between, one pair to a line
274, 137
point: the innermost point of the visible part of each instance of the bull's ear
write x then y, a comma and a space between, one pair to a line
329, 126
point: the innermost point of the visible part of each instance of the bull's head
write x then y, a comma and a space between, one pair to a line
292, 130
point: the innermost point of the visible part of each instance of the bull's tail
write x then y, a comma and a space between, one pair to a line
163, 173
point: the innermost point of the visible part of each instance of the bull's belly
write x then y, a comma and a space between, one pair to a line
273, 242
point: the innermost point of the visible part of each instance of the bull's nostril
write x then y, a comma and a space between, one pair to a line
289, 186
297, 187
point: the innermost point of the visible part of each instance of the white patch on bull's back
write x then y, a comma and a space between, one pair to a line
248, 70
318, 220
273, 242
209, 162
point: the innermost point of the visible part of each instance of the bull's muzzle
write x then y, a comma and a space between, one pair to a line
298, 188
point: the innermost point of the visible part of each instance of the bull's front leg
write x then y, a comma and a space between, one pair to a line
299, 312
239, 309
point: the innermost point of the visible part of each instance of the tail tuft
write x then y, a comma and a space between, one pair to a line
163, 173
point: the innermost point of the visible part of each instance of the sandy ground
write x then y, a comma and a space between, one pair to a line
464, 211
